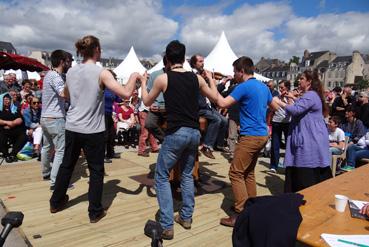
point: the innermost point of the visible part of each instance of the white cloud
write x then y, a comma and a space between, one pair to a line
48, 25
272, 30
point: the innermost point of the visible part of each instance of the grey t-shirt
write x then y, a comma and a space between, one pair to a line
86, 111
52, 103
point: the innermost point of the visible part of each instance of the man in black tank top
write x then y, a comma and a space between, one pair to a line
181, 90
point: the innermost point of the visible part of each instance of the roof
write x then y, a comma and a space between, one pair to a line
323, 64
341, 59
7, 46
277, 68
317, 54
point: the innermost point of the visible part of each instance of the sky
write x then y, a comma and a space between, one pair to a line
270, 29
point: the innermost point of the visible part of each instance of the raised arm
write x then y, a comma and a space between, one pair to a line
211, 91
126, 91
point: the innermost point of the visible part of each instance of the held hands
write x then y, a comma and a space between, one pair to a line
365, 209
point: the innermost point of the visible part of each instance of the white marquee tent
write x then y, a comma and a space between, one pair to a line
128, 66
221, 58
160, 65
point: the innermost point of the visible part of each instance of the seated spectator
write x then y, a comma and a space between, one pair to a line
126, 123
36, 89
336, 136
12, 129
27, 85
16, 99
10, 82
356, 152
26, 102
32, 117
353, 127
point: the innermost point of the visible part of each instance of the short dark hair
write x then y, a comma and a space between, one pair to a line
335, 119
287, 84
193, 60
57, 57
244, 64
175, 52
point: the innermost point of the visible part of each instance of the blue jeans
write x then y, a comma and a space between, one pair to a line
217, 127
355, 153
181, 147
277, 130
53, 139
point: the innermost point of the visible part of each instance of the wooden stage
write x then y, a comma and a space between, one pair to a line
130, 199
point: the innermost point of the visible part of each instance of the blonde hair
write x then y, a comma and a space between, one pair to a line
87, 45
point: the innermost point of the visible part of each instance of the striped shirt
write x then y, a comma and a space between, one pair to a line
52, 104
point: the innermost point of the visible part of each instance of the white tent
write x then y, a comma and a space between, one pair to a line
221, 58
160, 65
128, 66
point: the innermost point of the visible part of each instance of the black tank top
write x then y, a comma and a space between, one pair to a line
181, 101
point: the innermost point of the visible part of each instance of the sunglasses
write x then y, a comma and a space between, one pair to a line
35, 102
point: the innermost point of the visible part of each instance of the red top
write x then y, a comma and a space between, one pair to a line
125, 114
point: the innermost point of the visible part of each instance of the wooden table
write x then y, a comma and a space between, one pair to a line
319, 214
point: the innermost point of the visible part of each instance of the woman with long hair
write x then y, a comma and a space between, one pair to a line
307, 159
85, 124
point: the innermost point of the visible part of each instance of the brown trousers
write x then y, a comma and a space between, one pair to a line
241, 172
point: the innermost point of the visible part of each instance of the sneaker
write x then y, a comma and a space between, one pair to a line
99, 217
155, 151
167, 234
185, 223
207, 152
107, 161
272, 170
347, 168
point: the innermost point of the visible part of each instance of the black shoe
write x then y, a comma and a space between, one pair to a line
116, 156
207, 152
8, 159
47, 177
99, 217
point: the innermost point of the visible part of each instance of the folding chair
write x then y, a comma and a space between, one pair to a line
342, 157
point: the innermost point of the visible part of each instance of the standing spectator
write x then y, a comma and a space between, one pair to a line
85, 125
53, 117
363, 113
109, 99
336, 136
11, 129
341, 102
253, 97
280, 123
32, 118
143, 111
271, 86
353, 127
307, 150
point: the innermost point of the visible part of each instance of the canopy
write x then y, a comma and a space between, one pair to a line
221, 58
160, 65
13, 61
128, 66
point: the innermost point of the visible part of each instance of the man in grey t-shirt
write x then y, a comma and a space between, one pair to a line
53, 115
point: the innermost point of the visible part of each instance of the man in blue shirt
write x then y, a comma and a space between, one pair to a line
253, 97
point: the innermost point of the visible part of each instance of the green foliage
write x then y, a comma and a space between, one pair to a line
362, 84
295, 60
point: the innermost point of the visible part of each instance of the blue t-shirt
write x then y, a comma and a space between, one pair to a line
253, 97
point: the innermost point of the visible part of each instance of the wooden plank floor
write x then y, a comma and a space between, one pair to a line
131, 200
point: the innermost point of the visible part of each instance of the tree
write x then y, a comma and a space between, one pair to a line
362, 84
295, 60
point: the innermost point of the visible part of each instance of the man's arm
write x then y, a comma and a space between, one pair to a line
210, 92
159, 86
126, 91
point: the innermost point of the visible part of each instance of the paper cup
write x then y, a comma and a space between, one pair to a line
340, 203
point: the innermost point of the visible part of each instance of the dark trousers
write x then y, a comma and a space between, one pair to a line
153, 123
299, 178
109, 136
93, 147
16, 137
277, 130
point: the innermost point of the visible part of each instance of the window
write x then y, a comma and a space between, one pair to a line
329, 84
307, 63
273, 74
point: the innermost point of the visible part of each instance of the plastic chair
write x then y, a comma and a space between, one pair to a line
342, 156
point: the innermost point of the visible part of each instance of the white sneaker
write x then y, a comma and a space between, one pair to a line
272, 170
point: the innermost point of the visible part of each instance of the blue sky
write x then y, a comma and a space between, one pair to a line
278, 29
